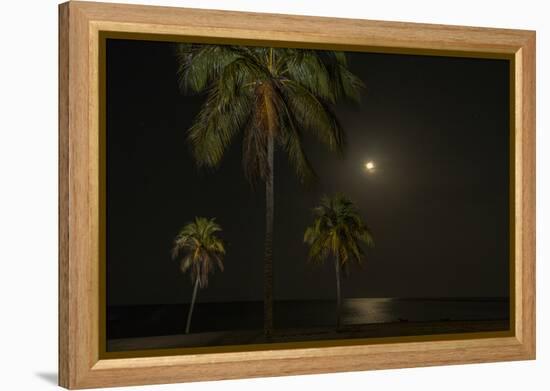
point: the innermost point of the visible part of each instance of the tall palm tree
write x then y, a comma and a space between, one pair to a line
198, 248
271, 96
338, 231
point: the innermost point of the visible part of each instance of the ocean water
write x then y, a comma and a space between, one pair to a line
383, 310
153, 320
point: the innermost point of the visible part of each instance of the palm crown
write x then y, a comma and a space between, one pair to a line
199, 248
338, 231
264, 93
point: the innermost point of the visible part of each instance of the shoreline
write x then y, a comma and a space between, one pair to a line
245, 337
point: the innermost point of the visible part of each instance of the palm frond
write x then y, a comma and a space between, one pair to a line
344, 84
291, 140
338, 230
200, 247
216, 125
313, 115
199, 65
306, 68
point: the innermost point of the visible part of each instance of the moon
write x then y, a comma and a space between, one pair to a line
370, 166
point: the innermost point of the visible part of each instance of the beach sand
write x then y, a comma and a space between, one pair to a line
245, 337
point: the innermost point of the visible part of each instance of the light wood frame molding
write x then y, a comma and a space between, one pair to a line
80, 24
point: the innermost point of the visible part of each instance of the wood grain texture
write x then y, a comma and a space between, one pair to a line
80, 365
528, 189
63, 178
76, 292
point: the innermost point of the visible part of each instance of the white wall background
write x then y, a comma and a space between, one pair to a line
28, 193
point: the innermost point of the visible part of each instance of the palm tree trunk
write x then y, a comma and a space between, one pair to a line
338, 294
268, 258
190, 314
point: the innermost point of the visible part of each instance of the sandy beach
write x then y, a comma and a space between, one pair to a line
378, 330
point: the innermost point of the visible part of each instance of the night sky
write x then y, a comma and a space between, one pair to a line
436, 127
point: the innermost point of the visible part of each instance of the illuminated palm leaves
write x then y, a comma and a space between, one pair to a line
199, 249
338, 230
261, 93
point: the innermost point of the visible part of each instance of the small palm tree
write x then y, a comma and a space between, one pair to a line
338, 231
198, 248
273, 97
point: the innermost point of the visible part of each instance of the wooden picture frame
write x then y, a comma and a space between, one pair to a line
81, 364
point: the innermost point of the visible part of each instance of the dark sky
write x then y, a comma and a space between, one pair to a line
436, 127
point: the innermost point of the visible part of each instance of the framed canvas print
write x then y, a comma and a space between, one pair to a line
248, 195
